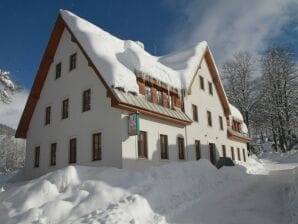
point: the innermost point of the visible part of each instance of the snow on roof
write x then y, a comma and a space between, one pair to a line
185, 61
118, 60
244, 128
236, 113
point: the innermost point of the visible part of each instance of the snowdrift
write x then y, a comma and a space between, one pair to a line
279, 157
78, 194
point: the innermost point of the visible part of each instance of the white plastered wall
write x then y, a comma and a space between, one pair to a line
81, 125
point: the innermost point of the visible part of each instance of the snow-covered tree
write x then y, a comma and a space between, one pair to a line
7, 87
240, 84
280, 89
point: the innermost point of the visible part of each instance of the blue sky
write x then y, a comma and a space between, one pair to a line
162, 25
26, 27
229, 26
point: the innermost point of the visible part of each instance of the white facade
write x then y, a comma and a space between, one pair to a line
118, 149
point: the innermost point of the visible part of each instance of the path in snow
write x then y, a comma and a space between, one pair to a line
260, 199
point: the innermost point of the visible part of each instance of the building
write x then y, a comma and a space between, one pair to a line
90, 85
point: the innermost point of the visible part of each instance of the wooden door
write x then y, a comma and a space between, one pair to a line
212, 153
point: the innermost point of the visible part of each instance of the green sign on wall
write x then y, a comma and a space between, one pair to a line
134, 124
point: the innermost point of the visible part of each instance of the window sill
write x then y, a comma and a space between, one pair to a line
142, 158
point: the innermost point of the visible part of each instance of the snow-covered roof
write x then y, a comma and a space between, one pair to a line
235, 113
118, 60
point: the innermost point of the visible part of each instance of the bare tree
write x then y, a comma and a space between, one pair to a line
280, 90
240, 84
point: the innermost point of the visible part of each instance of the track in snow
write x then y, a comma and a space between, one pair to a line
259, 199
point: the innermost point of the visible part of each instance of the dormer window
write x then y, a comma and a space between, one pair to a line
148, 93
159, 97
169, 101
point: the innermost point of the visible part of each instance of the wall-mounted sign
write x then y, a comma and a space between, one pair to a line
134, 124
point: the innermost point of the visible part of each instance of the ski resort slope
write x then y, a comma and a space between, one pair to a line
181, 192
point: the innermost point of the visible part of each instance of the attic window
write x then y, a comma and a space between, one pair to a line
202, 83
148, 93
210, 88
72, 61
58, 71
159, 97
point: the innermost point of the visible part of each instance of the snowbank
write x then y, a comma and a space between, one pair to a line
293, 197
78, 194
279, 157
253, 165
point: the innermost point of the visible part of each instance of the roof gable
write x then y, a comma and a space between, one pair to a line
207, 55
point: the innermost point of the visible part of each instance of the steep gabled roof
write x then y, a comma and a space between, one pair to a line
117, 61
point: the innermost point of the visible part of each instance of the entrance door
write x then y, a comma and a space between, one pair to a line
212, 153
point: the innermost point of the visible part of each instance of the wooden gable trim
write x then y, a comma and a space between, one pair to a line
152, 114
45, 64
215, 78
42, 73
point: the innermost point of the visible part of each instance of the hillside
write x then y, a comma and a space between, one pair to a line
12, 150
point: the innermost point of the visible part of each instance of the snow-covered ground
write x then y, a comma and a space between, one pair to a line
265, 191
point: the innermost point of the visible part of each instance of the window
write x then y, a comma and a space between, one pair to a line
181, 148
37, 155
198, 149
142, 145
148, 93
53, 154
58, 71
48, 115
65, 104
202, 83
244, 155
238, 153
73, 150
72, 61
224, 153
195, 113
159, 97
209, 118
164, 147
210, 88
233, 153
221, 123
169, 101
96, 145
87, 100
